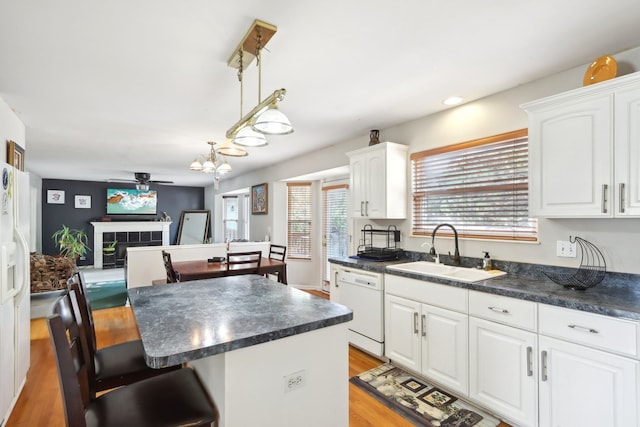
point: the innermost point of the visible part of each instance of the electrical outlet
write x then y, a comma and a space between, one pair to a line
566, 249
295, 380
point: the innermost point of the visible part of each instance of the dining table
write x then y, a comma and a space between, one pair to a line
205, 269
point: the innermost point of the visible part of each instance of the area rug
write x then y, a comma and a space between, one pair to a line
418, 401
107, 294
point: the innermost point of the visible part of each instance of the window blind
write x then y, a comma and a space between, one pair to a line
334, 223
480, 187
299, 220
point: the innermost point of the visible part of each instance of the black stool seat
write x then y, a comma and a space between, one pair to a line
172, 399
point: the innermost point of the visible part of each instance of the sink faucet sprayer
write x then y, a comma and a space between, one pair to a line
456, 256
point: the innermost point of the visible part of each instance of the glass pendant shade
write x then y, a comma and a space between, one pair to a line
195, 165
228, 148
273, 122
248, 137
223, 168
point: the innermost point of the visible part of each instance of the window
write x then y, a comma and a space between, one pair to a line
299, 220
335, 221
480, 187
236, 216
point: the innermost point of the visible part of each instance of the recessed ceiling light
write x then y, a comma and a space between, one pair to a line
454, 100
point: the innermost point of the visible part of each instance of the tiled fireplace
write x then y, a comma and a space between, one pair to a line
125, 233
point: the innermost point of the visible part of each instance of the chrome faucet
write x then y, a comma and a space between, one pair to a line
456, 256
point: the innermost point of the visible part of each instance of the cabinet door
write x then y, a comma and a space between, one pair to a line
445, 347
357, 187
627, 153
376, 202
580, 386
402, 337
502, 370
570, 158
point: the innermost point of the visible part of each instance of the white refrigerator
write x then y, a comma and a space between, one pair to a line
14, 287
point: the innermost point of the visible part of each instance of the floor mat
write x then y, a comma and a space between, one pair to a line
107, 294
419, 401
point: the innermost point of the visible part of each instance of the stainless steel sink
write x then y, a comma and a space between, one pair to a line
462, 274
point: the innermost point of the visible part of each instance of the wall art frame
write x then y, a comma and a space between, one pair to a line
15, 155
259, 199
55, 197
82, 202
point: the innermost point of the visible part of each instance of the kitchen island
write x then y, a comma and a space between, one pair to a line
269, 354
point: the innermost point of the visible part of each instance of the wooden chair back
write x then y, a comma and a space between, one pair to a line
79, 285
72, 358
277, 252
168, 266
243, 263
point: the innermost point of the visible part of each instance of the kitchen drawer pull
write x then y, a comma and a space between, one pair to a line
621, 197
415, 322
424, 325
583, 328
499, 310
543, 363
362, 208
605, 189
529, 361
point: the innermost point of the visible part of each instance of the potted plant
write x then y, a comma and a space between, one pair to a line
73, 243
110, 249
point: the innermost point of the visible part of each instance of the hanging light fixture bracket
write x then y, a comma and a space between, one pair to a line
276, 96
259, 32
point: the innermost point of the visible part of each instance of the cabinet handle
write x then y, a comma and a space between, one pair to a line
366, 208
543, 363
361, 208
583, 328
499, 310
622, 197
415, 322
605, 189
336, 281
424, 325
529, 361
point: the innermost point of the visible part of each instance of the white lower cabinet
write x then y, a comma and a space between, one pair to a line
427, 339
502, 370
581, 385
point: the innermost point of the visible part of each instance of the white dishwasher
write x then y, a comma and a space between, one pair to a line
363, 292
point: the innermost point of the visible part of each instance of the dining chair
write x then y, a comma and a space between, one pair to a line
278, 253
175, 398
172, 277
243, 263
115, 365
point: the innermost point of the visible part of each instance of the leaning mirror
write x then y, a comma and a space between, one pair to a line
194, 227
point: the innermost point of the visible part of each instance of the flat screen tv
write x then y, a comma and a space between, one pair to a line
123, 201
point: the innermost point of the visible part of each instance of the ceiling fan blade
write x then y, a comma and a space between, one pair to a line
161, 182
120, 180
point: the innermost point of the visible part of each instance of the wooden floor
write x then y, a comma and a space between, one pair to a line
40, 403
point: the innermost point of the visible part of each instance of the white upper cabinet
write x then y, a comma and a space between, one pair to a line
379, 181
584, 151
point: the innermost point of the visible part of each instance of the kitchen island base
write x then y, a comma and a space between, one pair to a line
301, 380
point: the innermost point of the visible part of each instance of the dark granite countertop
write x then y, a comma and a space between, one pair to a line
181, 322
618, 295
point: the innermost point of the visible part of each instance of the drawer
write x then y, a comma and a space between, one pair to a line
444, 296
594, 330
510, 311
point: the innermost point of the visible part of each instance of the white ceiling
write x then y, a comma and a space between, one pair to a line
108, 88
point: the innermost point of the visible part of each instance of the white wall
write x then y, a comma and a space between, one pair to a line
492, 115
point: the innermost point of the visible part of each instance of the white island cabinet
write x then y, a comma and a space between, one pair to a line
426, 330
584, 151
378, 181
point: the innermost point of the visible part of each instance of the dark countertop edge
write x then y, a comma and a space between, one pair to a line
178, 359
547, 292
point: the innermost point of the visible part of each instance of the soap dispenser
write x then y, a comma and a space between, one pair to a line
486, 262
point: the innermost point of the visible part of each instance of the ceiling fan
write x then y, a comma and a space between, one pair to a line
142, 180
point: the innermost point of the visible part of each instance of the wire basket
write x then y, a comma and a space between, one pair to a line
591, 271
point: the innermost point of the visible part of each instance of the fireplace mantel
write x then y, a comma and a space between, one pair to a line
124, 226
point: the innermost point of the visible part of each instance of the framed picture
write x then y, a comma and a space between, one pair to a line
259, 200
83, 202
15, 155
55, 196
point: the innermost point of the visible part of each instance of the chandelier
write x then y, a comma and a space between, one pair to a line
265, 118
213, 163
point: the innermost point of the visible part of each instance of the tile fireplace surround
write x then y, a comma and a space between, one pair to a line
99, 228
